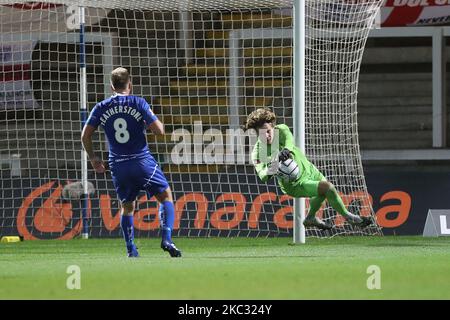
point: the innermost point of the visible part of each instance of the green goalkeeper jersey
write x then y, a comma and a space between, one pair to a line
285, 140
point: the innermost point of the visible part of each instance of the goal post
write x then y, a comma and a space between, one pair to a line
83, 115
203, 65
299, 100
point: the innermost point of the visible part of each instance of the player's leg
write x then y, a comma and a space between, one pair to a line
127, 191
328, 190
317, 188
155, 183
166, 213
167, 219
309, 188
127, 225
314, 205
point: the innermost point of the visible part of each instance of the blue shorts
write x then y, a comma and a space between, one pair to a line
132, 176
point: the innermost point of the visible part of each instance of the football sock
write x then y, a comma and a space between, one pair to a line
126, 222
167, 218
336, 202
314, 205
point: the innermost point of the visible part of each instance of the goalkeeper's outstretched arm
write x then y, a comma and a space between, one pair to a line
265, 171
262, 171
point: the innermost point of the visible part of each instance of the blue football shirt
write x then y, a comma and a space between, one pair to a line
124, 118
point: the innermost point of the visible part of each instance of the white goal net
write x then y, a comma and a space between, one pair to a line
203, 65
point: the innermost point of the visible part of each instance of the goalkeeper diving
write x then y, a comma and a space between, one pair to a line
275, 154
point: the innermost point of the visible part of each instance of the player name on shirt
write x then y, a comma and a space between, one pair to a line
120, 109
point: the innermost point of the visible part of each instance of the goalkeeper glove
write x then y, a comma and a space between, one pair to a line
284, 155
272, 168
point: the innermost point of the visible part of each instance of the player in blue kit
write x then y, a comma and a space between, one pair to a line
125, 119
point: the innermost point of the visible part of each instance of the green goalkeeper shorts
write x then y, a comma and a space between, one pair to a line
307, 186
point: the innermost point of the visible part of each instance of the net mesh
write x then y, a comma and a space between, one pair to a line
203, 65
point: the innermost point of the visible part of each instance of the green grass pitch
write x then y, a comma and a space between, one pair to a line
234, 268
